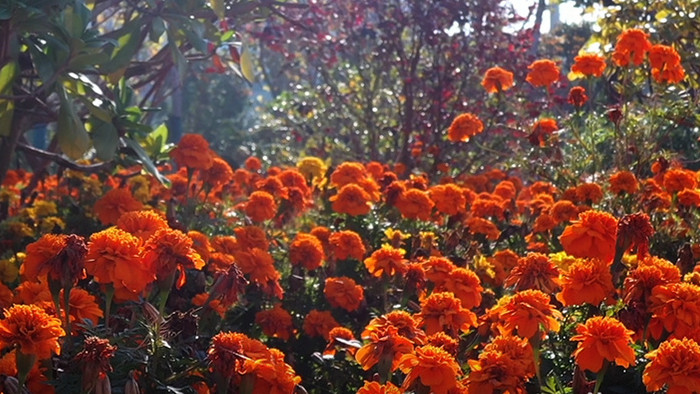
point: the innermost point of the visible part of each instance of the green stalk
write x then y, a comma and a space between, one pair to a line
600, 376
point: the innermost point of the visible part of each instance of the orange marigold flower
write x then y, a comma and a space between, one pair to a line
94, 359
678, 179
261, 206
449, 199
444, 312
319, 323
623, 181
260, 266
193, 152
603, 339
632, 45
675, 308
275, 322
114, 204
347, 173
592, 236
141, 224
444, 341
534, 271
589, 64
404, 323
114, 256
497, 80
486, 227
60, 257
31, 330
438, 269
689, 198
545, 222
352, 200
527, 310
665, 64
674, 364
219, 173
486, 205
464, 127
586, 281
387, 260
83, 306
504, 366
306, 251
434, 367
651, 272
377, 388
253, 164
466, 286
543, 72
590, 193
340, 337
385, 348
577, 96
506, 190
169, 251
343, 292
249, 237
415, 204
272, 375
542, 130
346, 244
563, 211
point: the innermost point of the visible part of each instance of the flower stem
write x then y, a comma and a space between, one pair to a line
600, 376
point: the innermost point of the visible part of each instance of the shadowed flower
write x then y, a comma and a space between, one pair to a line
526, 311
344, 293
633, 233
534, 271
220, 173
543, 72
577, 96
592, 236
438, 269
404, 323
433, 367
603, 339
464, 127
193, 152
632, 46
586, 281
466, 286
260, 206
415, 204
589, 65
260, 266
542, 130
306, 251
94, 359
589, 193
497, 80
114, 204
346, 244
444, 312
169, 251
60, 258
341, 337
678, 179
31, 330
449, 199
386, 260
319, 323
674, 364
623, 182
505, 365
385, 348
483, 226
275, 322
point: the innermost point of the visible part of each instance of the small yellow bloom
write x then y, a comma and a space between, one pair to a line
50, 224
9, 268
562, 260
312, 167
45, 208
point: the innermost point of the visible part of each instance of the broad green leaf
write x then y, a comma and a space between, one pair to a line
146, 161
7, 107
105, 139
129, 41
73, 139
247, 65
156, 140
157, 29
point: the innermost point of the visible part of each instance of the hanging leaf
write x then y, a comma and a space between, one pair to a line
146, 161
219, 7
247, 65
7, 107
73, 139
105, 139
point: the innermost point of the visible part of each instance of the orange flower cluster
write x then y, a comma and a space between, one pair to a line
665, 64
505, 365
632, 46
586, 281
444, 312
675, 364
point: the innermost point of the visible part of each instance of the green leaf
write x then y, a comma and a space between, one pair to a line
105, 139
219, 7
156, 140
129, 42
157, 29
73, 139
247, 65
146, 161
7, 107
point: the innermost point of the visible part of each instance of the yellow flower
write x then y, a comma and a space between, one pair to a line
396, 237
49, 224
312, 167
562, 260
428, 240
45, 208
19, 229
141, 188
8, 268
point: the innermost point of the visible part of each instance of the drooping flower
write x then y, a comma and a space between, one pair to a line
497, 80
114, 204
59, 258
586, 281
592, 236
95, 361
444, 312
343, 292
31, 330
434, 367
589, 65
464, 127
675, 364
577, 96
275, 322
632, 46
260, 206
633, 232
603, 339
386, 260
543, 72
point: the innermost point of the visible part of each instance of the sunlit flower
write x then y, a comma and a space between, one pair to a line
220, 173
260, 206
386, 260
449, 199
590, 193
632, 46
586, 281
169, 251
385, 347
543, 72
312, 167
603, 339
141, 224
415, 204
542, 130
306, 251
433, 367
497, 80
444, 312
677, 179
31, 330
534, 271
114, 204
340, 337
344, 293
486, 227
674, 364
193, 152
466, 286
253, 163
527, 310
464, 127
348, 173
60, 257
377, 388
675, 308
592, 236
438, 269
665, 64
589, 65
352, 200
346, 244
405, 324
505, 365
